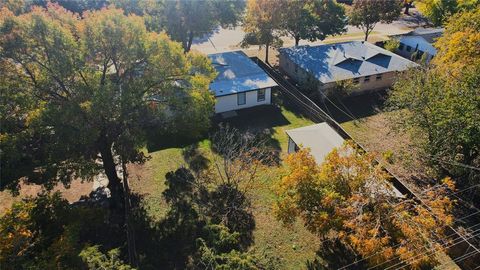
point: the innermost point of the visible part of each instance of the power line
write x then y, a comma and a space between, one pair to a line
455, 241
458, 219
417, 249
410, 261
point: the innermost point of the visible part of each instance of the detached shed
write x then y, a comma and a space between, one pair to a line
240, 82
320, 138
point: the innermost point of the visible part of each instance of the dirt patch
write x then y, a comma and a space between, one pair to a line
77, 189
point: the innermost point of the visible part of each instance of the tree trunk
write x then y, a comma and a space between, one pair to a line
266, 53
131, 245
366, 35
297, 40
114, 183
189, 42
407, 7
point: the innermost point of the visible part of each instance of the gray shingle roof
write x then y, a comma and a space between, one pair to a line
237, 73
346, 60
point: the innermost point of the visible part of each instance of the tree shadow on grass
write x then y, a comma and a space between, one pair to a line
333, 254
196, 160
157, 139
353, 107
172, 243
259, 121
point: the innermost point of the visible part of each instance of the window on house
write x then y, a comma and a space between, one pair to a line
356, 80
378, 77
366, 79
409, 49
241, 98
401, 46
419, 54
261, 95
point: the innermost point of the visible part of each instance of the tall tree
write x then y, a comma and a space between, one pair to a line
367, 13
440, 11
458, 46
262, 24
184, 19
348, 198
87, 82
313, 19
442, 112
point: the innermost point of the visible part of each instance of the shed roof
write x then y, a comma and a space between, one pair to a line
237, 73
346, 60
320, 138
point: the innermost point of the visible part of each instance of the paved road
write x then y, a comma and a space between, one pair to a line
228, 39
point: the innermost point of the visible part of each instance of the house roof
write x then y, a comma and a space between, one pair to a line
320, 138
346, 60
427, 31
429, 34
420, 43
237, 73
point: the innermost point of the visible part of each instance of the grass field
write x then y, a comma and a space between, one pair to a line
293, 245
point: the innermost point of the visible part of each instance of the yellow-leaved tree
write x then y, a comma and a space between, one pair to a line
349, 199
459, 46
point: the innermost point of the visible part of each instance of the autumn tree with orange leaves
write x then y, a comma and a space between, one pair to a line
349, 198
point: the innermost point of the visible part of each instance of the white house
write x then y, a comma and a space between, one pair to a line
240, 82
417, 44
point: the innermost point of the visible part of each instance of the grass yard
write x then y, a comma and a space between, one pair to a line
295, 245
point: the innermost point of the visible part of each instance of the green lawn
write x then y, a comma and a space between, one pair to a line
292, 245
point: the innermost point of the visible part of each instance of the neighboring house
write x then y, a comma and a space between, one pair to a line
368, 66
240, 82
321, 139
417, 44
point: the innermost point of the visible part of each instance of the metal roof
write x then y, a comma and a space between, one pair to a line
346, 60
320, 138
237, 73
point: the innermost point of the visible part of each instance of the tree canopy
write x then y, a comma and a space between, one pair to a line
441, 111
440, 11
186, 19
262, 24
458, 46
367, 13
348, 198
78, 93
312, 19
